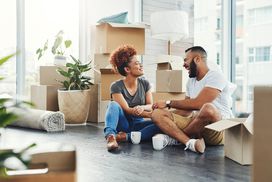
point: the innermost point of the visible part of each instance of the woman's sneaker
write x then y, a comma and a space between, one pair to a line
111, 143
121, 137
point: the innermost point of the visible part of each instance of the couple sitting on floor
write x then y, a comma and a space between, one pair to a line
206, 102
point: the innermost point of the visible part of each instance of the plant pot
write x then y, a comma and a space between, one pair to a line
74, 104
60, 60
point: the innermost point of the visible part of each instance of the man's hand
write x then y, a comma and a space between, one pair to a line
138, 110
159, 105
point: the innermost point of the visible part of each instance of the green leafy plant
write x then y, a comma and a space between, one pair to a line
58, 48
6, 118
21, 156
74, 74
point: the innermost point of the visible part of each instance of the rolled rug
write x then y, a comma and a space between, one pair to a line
39, 119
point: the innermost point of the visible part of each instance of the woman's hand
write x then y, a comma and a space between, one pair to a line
138, 110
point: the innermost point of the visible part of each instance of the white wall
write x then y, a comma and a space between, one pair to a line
91, 12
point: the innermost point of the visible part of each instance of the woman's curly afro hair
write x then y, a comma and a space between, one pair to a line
120, 58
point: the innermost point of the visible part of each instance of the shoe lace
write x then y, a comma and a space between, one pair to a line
190, 145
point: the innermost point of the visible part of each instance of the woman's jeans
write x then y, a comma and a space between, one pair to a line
117, 120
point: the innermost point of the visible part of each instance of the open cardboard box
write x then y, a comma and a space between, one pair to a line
169, 62
109, 36
238, 138
55, 165
262, 155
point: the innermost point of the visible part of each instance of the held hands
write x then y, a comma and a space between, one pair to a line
138, 110
159, 105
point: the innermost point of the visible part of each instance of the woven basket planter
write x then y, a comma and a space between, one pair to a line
74, 104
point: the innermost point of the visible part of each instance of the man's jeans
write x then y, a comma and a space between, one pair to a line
117, 120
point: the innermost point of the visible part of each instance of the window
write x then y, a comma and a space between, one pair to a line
259, 54
200, 24
260, 15
43, 20
255, 62
8, 46
218, 24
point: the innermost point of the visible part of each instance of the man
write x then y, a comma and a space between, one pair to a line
206, 102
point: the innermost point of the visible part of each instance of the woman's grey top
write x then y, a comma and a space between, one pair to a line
133, 100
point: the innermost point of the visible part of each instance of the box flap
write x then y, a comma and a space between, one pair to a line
122, 25
107, 71
175, 61
223, 124
249, 124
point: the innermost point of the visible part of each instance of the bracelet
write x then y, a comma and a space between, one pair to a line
168, 104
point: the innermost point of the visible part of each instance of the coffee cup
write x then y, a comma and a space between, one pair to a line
135, 137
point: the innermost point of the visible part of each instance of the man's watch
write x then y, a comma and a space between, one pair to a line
168, 102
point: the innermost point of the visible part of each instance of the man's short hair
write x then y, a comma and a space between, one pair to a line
198, 49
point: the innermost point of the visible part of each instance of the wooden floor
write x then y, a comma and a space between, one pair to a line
134, 162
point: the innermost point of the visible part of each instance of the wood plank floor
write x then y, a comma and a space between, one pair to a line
134, 162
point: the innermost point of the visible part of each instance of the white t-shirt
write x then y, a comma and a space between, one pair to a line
215, 80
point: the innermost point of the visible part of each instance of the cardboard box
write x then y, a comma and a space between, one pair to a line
109, 36
107, 77
169, 62
45, 97
103, 105
93, 111
262, 158
100, 61
167, 96
49, 75
170, 81
238, 138
51, 166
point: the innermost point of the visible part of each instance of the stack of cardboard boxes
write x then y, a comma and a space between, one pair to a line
45, 95
108, 37
170, 79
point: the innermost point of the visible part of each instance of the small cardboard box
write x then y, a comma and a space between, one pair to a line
109, 36
107, 77
170, 81
100, 61
93, 111
262, 158
45, 97
167, 96
49, 75
103, 105
50, 167
169, 62
238, 138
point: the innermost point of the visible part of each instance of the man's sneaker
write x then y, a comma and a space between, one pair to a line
111, 143
165, 140
121, 137
196, 145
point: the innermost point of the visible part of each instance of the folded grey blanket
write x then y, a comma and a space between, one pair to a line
39, 119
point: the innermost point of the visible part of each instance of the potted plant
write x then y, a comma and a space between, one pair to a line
74, 97
58, 49
7, 117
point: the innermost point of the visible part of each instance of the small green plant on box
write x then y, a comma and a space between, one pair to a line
6, 118
58, 48
75, 80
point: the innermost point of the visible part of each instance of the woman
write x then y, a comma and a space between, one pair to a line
131, 101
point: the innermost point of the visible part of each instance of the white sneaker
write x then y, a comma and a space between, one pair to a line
196, 145
160, 141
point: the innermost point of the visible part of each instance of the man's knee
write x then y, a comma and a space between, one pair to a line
210, 111
157, 114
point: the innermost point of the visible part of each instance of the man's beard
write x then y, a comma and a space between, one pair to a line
193, 70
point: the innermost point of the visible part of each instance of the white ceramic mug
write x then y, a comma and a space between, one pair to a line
159, 142
135, 137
